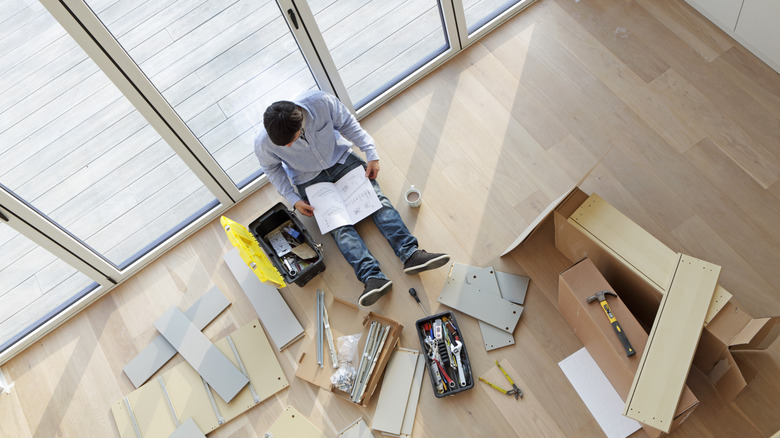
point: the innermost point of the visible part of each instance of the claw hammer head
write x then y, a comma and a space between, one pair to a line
601, 296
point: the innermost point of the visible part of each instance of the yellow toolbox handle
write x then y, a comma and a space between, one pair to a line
250, 251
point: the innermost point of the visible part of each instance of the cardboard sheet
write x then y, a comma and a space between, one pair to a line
598, 394
346, 319
188, 429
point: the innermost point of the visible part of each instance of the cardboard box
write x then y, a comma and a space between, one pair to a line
637, 266
346, 319
593, 329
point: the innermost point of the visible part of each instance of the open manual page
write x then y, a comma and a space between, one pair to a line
344, 202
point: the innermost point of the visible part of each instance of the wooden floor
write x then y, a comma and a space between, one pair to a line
689, 123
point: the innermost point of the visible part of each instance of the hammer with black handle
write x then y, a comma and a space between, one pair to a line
602, 297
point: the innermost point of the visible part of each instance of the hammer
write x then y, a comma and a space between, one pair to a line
602, 297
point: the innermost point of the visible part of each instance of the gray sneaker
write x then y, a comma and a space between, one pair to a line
375, 289
422, 261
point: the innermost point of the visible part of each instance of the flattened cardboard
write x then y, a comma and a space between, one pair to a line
149, 360
592, 328
664, 365
346, 319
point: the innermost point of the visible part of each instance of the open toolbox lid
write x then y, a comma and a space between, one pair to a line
250, 252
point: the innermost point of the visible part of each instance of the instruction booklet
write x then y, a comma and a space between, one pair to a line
344, 202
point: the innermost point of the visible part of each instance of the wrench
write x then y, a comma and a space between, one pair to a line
432, 356
456, 351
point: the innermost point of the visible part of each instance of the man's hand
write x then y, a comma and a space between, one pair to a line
304, 208
372, 169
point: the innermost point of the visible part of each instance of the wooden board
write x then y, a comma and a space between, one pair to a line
211, 364
485, 279
483, 306
414, 398
159, 351
293, 424
395, 392
279, 321
188, 394
672, 342
358, 429
188, 429
640, 251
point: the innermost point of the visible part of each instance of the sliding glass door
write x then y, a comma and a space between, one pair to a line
218, 64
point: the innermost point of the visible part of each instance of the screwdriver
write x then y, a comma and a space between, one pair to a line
413, 293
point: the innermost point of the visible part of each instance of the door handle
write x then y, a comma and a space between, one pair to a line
2, 217
292, 18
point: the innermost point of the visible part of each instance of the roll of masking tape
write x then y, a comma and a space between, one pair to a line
413, 197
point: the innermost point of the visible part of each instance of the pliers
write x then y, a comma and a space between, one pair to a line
515, 391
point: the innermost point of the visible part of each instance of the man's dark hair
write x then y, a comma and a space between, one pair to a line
282, 120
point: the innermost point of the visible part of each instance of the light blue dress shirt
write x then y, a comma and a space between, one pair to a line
328, 129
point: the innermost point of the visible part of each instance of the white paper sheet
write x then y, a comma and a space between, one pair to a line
593, 387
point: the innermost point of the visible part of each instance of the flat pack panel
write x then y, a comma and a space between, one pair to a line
481, 305
414, 398
637, 247
598, 394
150, 410
263, 368
277, 318
188, 429
485, 279
188, 393
396, 386
189, 397
293, 424
512, 287
358, 429
149, 360
201, 354
672, 342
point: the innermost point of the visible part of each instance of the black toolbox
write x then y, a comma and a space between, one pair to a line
424, 328
288, 245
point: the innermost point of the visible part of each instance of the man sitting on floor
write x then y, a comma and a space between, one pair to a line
308, 141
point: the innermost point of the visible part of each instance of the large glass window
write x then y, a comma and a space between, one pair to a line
479, 12
74, 148
218, 63
34, 285
375, 44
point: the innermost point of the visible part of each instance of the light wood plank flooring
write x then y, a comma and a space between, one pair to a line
688, 121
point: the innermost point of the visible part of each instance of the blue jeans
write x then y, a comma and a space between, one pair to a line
387, 220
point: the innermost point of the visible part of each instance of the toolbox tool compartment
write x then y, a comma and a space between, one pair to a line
273, 222
452, 372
